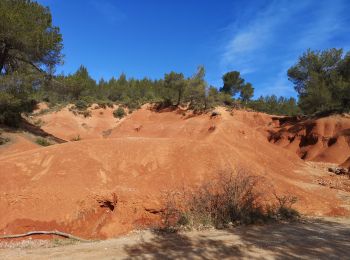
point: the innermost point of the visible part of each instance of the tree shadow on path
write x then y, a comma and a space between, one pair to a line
310, 239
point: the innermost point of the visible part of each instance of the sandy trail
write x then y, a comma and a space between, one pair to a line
326, 238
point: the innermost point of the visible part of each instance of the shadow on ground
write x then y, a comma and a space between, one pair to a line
312, 239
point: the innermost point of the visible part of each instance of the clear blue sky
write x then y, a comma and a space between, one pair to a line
262, 39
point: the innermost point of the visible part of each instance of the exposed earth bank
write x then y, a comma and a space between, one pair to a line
110, 180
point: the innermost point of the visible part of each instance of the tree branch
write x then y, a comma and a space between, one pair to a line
55, 232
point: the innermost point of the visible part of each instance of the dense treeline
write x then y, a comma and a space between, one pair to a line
173, 90
275, 105
30, 48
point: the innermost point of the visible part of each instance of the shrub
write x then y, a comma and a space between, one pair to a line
230, 199
102, 105
42, 112
11, 109
105, 104
43, 141
215, 113
76, 138
133, 105
81, 104
3, 140
119, 112
283, 209
85, 113
38, 122
166, 103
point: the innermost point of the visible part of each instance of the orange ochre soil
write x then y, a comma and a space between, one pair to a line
112, 180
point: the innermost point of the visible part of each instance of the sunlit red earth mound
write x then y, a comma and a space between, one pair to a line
325, 139
111, 181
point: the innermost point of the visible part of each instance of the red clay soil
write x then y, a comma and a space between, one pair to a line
19, 142
346, 164
324, 139
112, 180
67, 126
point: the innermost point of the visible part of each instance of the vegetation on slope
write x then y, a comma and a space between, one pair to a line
30, 48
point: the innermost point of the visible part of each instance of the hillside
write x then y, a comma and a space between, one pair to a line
325, 139
112, 180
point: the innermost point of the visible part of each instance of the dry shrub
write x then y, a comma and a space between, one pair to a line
173, 210
283, 208
233, 198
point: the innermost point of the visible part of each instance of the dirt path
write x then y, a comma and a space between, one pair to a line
313, 239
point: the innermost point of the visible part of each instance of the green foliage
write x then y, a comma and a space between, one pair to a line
78, 85
232, 83
27, 36
3, 140
43, 141
29, 43
195, 93
322, 80
105, 104
30, 47
15, 90
81, 104
119, 113
247, 92
275, 106
175, 84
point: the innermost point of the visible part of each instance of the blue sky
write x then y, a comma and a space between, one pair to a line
262, 39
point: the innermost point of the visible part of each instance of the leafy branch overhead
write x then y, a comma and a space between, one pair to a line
27, 37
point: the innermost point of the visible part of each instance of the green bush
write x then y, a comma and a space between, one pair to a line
119, 113
81, 104
166, 103
133, 105
105, 104
3, 140
11, 108
43, 141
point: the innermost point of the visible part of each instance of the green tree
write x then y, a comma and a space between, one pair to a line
322, 80
213, 97
196, 91
247, 92
79, 84
232, 83
15, 96
29, 45
176, 83
27, 36
275, 105
317, 96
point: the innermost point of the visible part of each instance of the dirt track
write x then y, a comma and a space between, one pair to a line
326, 238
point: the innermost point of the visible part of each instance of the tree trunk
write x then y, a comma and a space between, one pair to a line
3, 58
179, 98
